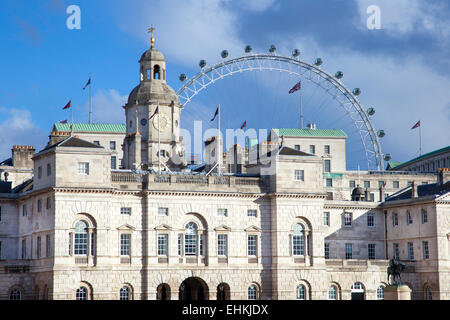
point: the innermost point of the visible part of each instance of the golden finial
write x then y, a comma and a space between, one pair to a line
152, 40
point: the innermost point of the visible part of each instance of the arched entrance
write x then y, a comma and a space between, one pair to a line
163, 292
193, 289
358, 292
223, 291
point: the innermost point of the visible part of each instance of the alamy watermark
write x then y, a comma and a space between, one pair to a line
74, 19
374, 19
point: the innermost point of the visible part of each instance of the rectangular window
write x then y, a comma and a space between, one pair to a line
327, 165
326, 149
163, 211
409, 219
410, 251
38, 248
371, 251
125, 241
24, 210
352, 184
409, 183
426, 254
394, 219
312, 149
370, 220
113, 162
381, 184
202, 245
112, 145
298, 245
297, 147
251, 245
47, 245
49, 203
81, 243
39, 205
348, 251
97, 142
39, 172
327, 251
326, 218
251, 213
329, 182
83, 168
299, 175
125, 210
372, 197
396, 251
366, 184
347, 219
162, 244
222, 244
92, 244
49, 169
180, 244
24, 249
424, 216
395, 184
222, 212
70, 243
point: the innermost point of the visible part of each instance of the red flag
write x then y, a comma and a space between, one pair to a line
244, 124
156, 111
298, 86
67, 105
64, 121
416, 125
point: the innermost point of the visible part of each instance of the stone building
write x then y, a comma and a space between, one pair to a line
76, 228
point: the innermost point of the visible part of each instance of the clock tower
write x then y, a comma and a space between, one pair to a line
152, 114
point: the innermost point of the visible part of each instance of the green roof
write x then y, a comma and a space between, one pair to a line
426, 155
91, 127
394, 164
310, 132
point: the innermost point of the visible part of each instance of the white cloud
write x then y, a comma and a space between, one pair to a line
18, 128
257, 5
106, 107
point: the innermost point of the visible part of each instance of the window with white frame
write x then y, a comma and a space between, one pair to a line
83, 168
180, 244
394, 219
329, 182
125, 210
252, 240
327, 166
163, 244
124, 293
327, 250
352, 184
298, 240
125, 244
326, 149
252, 212
112, 145
366, 184
312, 149
332, 293
190, 239
24, 210
222, 212
371, 251
380, 293
297, 147
49, 203
222, 244
162, 211
426, 253
299, 175
113, 162
47, 245
252, 292
410, 251
409, 219
370, 220
424, 216
81, 238
395, 184
348, 251
348, 219
301, 292
396, 251
326, 218
81, 294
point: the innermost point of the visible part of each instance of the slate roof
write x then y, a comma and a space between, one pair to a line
294, 132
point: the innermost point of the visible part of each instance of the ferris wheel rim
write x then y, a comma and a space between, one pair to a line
336, 83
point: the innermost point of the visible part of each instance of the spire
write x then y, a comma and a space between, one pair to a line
152, 40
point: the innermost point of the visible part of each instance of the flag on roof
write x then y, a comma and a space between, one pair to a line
215, 114
67, 105
416, 125
87, 83
63, 121
298, 86
244, 124
156, 111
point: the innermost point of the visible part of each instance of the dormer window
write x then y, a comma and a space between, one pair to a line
156, 72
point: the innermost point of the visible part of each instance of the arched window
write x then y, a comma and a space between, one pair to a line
15, 295
298, 240
380, 293
357, 291
124, 293
301, 292
332, 293
190, 239
81, 238
163, 292
156, 72
428, 294
252, 292
82, 293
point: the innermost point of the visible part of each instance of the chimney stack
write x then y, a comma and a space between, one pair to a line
414, 190
382, 193
22, 156
366, 195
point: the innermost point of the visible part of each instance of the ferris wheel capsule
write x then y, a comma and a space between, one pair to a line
202, 63
272, 49
381, 133
371, 111
182, 77
318, 62
339, 75
357, 91
295, 53
387, 157
248, 49
224, 54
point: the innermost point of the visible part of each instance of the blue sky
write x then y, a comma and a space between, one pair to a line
402, 68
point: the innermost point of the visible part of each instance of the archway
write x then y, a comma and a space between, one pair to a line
163, 292
193, 289
223, 291
358, 292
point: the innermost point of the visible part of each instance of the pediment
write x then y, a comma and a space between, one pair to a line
252, 229
222, 228
163, 227
126, 227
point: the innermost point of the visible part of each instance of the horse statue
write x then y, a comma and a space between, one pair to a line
395, 269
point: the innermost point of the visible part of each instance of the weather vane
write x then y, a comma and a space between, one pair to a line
152, 40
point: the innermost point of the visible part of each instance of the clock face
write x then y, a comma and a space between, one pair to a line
162, 122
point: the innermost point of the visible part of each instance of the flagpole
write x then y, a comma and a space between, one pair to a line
159, 141
219, 153
90, 99
71, 120
420, 139
301, 110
